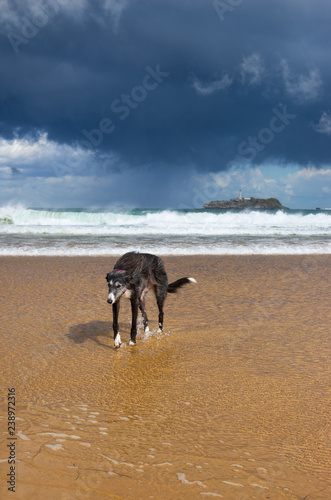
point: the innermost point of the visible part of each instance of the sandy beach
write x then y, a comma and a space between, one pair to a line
231, 401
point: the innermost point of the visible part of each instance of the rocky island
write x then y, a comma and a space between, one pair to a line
241, 203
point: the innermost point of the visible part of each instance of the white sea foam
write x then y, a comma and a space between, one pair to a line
54, 447
250, 248
259, 486
22, 436
211, 494
58, 434
183, 479
108, 458
169, 222
167, 232
232, 484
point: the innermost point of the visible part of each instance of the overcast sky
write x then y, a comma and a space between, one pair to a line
164, 103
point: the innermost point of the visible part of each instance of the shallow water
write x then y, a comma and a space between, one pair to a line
231, 400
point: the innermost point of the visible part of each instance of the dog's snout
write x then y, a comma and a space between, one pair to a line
111, 298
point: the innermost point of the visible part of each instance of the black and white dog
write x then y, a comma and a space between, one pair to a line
133, 275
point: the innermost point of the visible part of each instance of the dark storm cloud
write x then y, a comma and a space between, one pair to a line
169, 82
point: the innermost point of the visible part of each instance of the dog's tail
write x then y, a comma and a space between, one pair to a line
173, 287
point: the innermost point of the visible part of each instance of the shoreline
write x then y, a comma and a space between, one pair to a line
169, 255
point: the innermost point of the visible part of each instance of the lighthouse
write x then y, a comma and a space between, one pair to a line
239, 197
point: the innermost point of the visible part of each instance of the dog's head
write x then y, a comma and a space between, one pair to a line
118, 282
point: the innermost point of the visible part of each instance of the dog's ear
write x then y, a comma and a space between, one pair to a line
128, 278
107, 277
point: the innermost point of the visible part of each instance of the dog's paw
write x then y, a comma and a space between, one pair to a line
132, 343
117, 341
147, 329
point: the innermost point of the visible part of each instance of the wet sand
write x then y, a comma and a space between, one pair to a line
231, 401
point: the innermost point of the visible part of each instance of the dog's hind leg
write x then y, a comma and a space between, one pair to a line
160, 294
134, 309
117, 337
143, 312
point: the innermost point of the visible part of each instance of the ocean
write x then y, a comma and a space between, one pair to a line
88, 232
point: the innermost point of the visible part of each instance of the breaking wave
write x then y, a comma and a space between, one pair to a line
97, 232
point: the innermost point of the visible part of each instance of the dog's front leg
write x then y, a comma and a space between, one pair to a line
134, 309
117, 337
